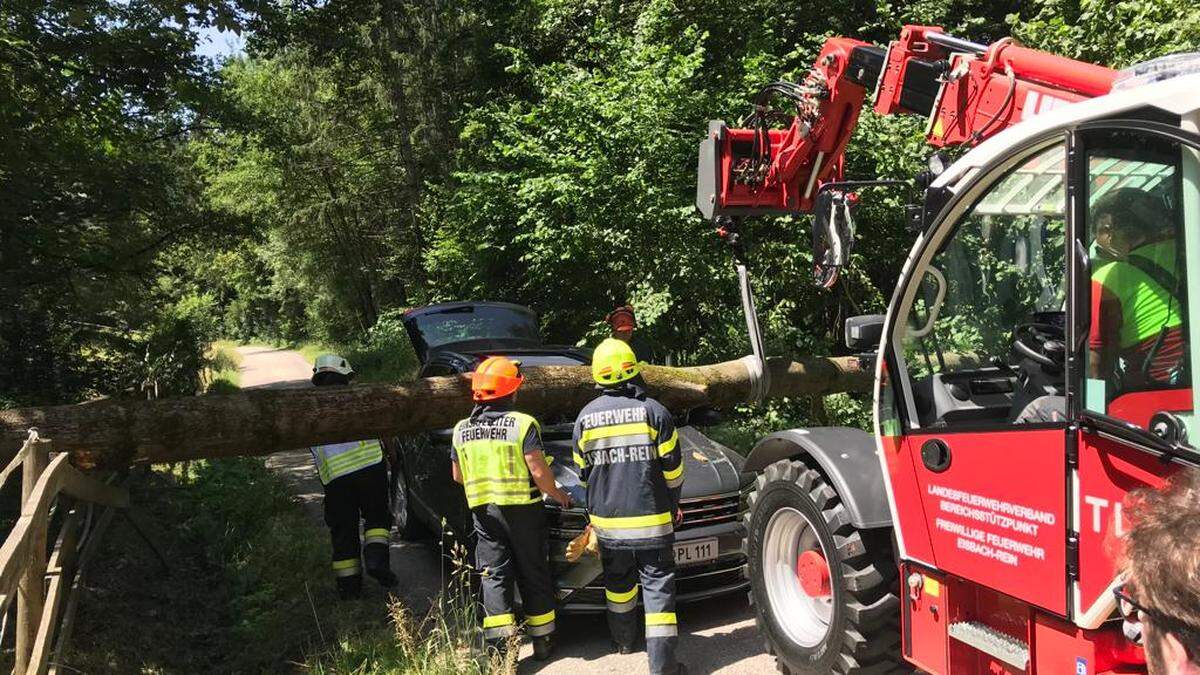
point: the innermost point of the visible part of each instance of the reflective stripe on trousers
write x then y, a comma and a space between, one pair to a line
621, 602
499, 626
510, 549
540, 624
376, 535
346, 568
655, 569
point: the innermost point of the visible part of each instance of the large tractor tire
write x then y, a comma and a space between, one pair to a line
824, 592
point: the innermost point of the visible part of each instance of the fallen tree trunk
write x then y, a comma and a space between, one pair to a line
114, 432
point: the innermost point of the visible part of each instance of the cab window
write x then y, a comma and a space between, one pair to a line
983, 342
1136, 343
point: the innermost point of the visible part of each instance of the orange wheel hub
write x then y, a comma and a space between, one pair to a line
813, 573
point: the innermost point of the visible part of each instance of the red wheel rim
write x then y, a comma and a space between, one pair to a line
813, 573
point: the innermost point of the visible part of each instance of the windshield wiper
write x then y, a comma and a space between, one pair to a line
1129, 432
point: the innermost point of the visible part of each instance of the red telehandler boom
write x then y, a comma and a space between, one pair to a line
978, 529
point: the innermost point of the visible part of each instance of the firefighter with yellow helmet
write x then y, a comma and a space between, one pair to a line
627, 450
496, 454
356, 488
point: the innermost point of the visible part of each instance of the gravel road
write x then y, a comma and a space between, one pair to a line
716, 636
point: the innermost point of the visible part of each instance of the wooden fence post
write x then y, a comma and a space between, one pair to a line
31, 591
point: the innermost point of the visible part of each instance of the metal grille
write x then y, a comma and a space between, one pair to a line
702, 511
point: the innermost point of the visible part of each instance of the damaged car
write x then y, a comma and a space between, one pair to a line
451, 339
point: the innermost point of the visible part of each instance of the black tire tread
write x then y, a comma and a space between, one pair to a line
871, 641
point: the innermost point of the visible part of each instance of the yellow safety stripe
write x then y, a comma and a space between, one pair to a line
618, 430
367, 453
621, 597
522, 481
497, 492
668, 445
660, 618
499, 620
540, 619
629, 522
578, 459
675, 473
377, 532
345, 564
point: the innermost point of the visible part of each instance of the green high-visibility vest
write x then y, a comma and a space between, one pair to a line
1146, 307
491, 458
338, 459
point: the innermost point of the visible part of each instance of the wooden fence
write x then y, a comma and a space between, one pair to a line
42, 580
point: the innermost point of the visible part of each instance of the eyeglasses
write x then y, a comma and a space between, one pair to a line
1132, 610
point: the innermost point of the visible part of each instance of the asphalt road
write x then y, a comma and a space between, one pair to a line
716, 636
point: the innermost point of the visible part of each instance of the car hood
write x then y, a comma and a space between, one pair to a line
709, 467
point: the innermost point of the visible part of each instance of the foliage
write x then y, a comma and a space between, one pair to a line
94, 99
222, 375
246, 562
443, 641
384, 355
365, 157
1117, 33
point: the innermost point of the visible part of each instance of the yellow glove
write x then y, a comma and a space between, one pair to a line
585, 543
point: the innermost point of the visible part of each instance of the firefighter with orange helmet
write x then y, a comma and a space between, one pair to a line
496, 454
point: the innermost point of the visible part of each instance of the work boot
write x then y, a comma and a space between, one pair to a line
349, 588
542, 646
378, 561
623, 648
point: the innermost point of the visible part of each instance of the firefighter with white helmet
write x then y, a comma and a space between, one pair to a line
628, 453
497, 455
356, 488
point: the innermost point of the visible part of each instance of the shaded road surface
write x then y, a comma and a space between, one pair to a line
716, 636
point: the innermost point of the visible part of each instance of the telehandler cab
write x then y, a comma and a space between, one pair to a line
1033, 368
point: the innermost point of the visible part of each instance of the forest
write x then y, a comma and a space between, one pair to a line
359, 158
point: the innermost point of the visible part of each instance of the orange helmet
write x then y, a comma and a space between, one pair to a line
621, 319
495, 378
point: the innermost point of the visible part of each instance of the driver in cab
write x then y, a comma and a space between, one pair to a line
1136, 338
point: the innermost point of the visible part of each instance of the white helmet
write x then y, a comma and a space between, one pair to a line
331, 363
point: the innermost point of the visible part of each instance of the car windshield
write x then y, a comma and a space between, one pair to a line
440, 327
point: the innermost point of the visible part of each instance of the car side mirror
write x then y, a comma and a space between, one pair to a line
863, 333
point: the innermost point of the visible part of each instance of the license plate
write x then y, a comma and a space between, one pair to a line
693, 552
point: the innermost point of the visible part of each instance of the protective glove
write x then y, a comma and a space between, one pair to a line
585, 544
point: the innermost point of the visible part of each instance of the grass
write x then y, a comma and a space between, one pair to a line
249, 590
223, 375
376, 361
244, 559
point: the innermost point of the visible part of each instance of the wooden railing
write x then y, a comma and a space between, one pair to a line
39, 579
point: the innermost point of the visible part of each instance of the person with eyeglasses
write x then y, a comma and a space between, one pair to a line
1162, 567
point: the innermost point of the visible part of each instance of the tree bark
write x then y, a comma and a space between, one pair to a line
116, 432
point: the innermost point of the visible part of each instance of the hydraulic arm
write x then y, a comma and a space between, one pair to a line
777, 161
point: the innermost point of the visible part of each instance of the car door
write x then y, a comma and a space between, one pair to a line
427, 460
1148, 387
979, 489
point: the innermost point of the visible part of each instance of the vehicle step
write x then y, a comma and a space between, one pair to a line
992, 642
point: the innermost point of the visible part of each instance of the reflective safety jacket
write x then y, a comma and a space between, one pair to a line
628, 453
1134, 309
490, 449
338, 459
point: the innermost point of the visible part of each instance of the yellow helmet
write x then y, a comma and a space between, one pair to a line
614, 362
